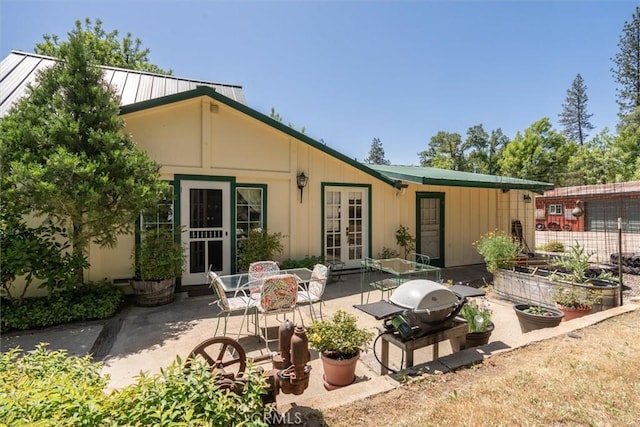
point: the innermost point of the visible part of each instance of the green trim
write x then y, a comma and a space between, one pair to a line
420, 195
263, 187
435, 176
211, 93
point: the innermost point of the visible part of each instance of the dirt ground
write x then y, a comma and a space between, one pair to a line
595, 382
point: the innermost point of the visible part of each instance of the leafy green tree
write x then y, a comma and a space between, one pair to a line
64, 155
626, 147
575, 117
627, 66
595, 162
540, 154
446, 151
376, 154
485, 150
107, 48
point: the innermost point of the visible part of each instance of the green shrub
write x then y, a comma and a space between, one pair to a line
498, 249
159, 256
553, 246
50, 388
83, 302
386, 253
189, 396
34, 253
308, 262
260, 245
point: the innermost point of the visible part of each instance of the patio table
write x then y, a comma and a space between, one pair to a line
400, 270
234, 282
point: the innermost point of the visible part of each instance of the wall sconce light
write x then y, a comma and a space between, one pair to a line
302, 182
527, 198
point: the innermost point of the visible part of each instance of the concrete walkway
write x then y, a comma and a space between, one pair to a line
149, 338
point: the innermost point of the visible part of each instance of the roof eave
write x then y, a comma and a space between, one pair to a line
211, 93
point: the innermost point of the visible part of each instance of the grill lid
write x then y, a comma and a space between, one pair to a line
424, 296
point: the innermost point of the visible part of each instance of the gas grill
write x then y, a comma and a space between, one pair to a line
419, 307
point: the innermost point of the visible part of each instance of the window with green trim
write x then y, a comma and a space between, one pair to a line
249, 210
160, 217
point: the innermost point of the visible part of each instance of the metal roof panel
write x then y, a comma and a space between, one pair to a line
435, 176
131, 86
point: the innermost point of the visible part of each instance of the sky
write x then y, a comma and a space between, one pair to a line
352, 71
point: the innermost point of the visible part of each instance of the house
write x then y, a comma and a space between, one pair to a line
599, 207
233, 168
590, 215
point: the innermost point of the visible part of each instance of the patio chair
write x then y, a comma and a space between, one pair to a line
279, 295
376, 279
261, 269
420, 258
240, 302
314, 290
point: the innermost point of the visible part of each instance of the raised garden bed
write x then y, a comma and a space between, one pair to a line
533, 286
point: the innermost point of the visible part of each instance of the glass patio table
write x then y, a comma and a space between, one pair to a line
234, 282
398, 271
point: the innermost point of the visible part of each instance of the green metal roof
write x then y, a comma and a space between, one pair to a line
435, 176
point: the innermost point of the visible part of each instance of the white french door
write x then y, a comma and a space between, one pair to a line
206, 218
346, 225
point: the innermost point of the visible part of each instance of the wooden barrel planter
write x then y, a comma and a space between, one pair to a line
151, 293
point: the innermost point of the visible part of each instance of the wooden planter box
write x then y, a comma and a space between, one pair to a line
535, 289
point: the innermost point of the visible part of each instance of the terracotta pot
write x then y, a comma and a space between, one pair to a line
572, 313
338, 373
530, 321
474, 339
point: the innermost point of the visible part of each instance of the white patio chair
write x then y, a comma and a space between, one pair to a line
420, 258
279, 295
313, 291
240, 302
261, 269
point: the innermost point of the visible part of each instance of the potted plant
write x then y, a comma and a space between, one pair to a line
533, 317
575, 301
405, 240
158, 260
498, 249
339, 341
478, 317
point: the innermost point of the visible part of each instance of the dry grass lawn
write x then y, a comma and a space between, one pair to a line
588, 378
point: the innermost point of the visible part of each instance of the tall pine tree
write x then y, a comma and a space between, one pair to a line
627, 70
575, 117
376, 154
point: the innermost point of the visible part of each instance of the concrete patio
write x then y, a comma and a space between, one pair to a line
150, 338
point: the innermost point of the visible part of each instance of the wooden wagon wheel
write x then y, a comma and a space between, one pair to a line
223, 354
